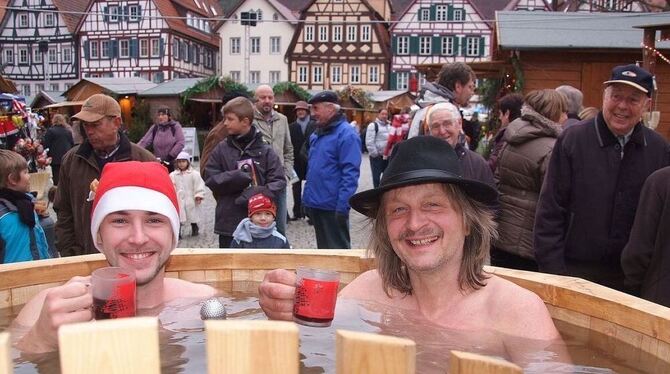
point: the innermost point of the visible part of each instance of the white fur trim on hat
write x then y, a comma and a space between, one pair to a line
134, 198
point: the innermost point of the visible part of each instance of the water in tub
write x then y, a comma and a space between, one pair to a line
183, 349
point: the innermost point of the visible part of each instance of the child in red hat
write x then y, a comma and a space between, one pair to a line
259, 230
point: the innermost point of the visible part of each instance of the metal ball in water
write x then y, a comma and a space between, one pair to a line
213, 308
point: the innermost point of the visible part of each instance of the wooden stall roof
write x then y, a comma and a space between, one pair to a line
174, 87
44, 98
86, 87
7, 85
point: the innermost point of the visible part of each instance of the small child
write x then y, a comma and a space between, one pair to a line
190, 191
21, 236
259, 230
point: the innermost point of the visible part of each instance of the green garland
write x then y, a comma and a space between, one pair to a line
518, 73
283, 87
207, 84
358, 94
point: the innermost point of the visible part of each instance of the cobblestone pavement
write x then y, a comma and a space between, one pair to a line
299, 233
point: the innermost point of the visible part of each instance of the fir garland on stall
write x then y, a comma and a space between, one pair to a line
283, 87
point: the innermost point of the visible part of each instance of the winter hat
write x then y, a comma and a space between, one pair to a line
183, 156
261, 203
135, 185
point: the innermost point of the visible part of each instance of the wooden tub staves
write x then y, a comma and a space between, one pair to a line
617, 316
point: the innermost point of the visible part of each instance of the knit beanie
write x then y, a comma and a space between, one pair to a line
134, 185
261, 203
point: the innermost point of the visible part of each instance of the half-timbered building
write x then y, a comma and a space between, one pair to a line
340, 43
155, 40
609, 6
254, 54
531, 5
436, 32
38, 47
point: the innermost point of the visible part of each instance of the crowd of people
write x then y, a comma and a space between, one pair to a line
554, 191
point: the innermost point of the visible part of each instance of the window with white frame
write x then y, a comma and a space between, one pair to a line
113, 13
308, 33
302, 74
144, 48
447, 46
255, 43
235, 76
352, 31
424, 14
155, 47
68, 86
323, 33
104, 49
402, 78
53, 55
472, 48
175, 48
94, 47
424, 45
336, 74
54, 86
275, 17
402, 45
317, 74
49, 20
67, 55
459, 15
373, 74
124, 48
234, 46
26, 90
37, 55
275, 76
23, 20
366, 33
441, 12
39, 87
354, 74
275, 45
134, 12
254, 77
23, 55
337, 33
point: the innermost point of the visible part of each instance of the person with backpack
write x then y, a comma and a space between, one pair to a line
376, 136
165, 137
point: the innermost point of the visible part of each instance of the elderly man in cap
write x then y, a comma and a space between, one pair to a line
333, 169
592, 185
100, 118
300, 131
431, 232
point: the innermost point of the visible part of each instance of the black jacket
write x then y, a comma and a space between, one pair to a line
589, 197
59, 140
298, 139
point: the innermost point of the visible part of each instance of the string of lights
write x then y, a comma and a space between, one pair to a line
655, 52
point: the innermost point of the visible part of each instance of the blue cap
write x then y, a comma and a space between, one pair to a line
325, 97
634, 76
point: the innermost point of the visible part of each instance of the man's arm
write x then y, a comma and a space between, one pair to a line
349, 161
552, 214
637, 255
66, 242
288, 150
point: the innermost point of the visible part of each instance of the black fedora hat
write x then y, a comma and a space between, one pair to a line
419, 160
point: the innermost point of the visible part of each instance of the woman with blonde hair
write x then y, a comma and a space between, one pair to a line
58, 140
521, 168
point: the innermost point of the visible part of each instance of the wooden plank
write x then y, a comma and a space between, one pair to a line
115, 346
6, 363
365, 353
472, 363
21, 295
252, 347
5, 299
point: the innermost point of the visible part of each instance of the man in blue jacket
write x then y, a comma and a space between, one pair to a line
333, 168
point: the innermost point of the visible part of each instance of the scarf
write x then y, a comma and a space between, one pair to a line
244, 140
247, 231
24, 205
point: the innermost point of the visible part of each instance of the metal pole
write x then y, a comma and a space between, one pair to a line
247, 57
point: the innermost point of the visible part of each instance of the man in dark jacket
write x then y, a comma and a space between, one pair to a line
300, 131
592, 186
332, 172
100, 118
646, 258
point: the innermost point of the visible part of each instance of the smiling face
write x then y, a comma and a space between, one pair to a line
426, 230
262, 219
137, 240
446, 125
622, 107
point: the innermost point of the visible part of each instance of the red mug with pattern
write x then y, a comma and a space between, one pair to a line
315, 296
113, 290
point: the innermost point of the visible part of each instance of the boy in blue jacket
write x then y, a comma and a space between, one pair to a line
21, 236
259, 230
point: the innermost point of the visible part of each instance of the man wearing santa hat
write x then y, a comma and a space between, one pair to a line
135, 224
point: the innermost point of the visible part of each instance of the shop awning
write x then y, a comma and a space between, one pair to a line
64, 103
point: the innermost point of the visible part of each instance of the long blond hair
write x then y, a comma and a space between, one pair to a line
477, 217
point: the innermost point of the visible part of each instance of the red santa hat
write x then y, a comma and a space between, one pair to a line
135, 185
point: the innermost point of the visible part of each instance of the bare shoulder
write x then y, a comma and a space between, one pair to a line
518, 311
367, 286
177, 288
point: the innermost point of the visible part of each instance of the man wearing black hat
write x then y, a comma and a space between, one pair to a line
300, 131
432, 229
333, 169
592, 185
